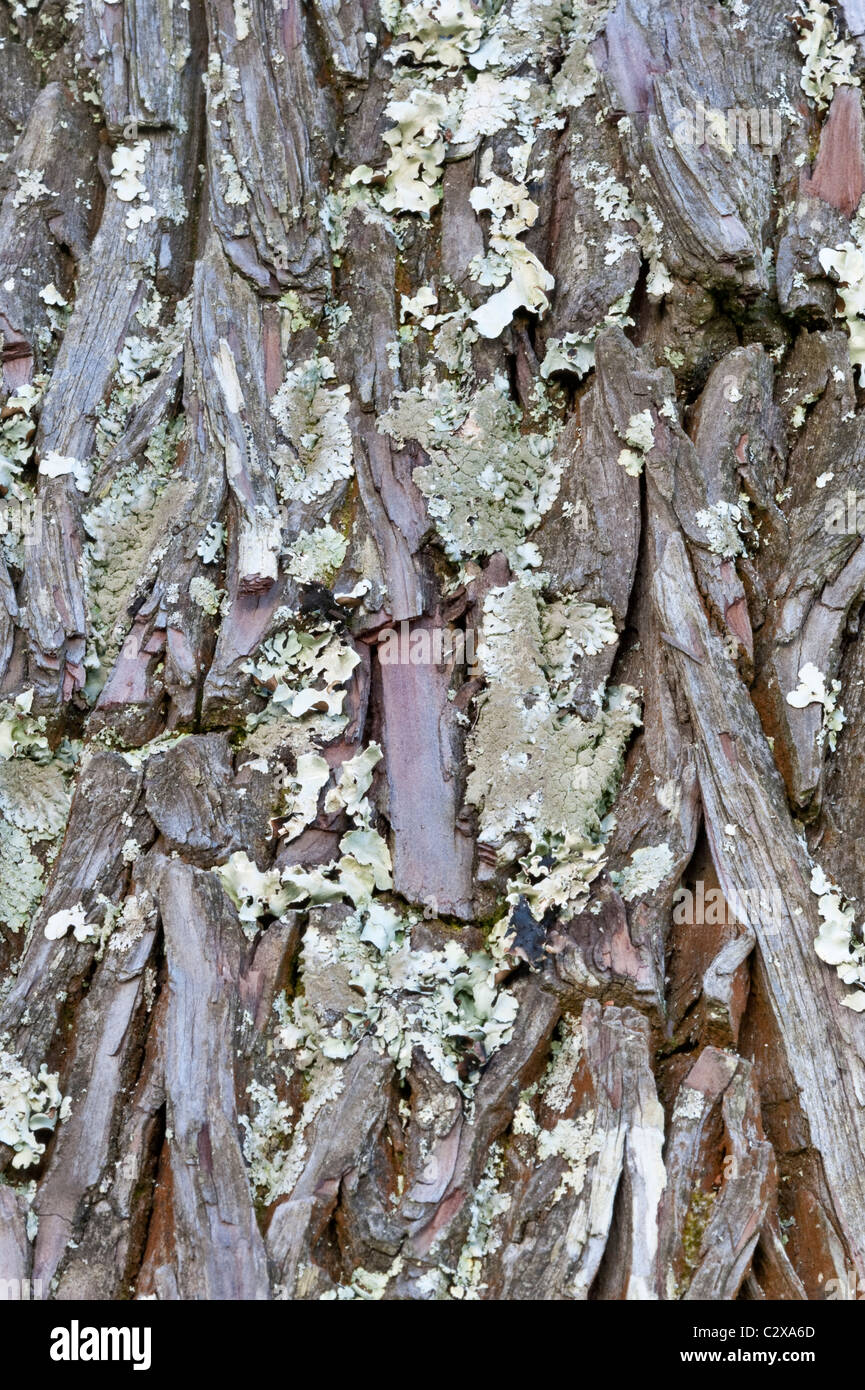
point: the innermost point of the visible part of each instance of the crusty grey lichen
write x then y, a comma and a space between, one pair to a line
143, 355
488, 1204
722, 524
23, 882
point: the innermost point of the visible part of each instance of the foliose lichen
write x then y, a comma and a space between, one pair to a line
487, 483
28, 1105
312, 415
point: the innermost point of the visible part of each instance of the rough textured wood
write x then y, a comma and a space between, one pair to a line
395, 741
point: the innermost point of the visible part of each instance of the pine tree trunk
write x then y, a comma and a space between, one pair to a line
431, 455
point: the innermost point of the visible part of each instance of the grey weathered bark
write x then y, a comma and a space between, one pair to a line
431, 456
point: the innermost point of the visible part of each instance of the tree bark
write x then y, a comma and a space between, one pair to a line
431, 686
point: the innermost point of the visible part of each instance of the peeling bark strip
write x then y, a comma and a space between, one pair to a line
520, 957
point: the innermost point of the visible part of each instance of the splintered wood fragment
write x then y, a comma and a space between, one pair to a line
210, 1240
341, 1138
90, 865
589, 1175
680, 647
824, 1044
15, 1250
105, 1045
432, 854
732, 1224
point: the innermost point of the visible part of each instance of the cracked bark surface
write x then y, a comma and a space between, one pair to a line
660, 1109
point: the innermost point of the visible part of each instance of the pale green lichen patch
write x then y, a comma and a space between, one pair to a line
413, 171
30, 187
355, 780
312, 415
127, 166
453, 335
570, 1143
490, 104
575, 352
34, 806
723, 524
382, 989
538, 30
367, 1285
206, 595
142, 357
23, 883
316, 555
296, 314
73, 919
573, 1141
536, 765
640, 433
28, 1105
437, 31
234, 189
443, 1001
304, 786
364, 863
138, 757
813, 690
847, 263
464, 85
488, 1205
20, 732
253, 891
212, 543
828, 62
265, 1136
128, 163
538, 768
126, 524
305, 672
646, 871
364, 866
54, 465
621, 211
507, 262
275, 1145
487, 484
837, 942
125, 537
416, 306
570, 629
640, 437
565, 1052
17, 435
